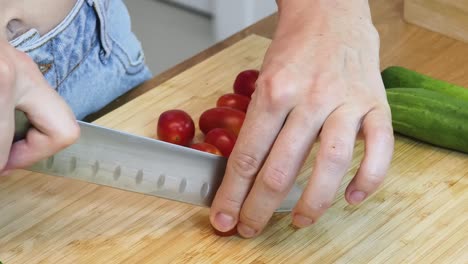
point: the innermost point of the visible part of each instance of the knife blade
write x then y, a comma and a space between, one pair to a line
139, 164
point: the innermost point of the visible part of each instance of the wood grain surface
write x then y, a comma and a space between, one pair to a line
419, 215
449, 17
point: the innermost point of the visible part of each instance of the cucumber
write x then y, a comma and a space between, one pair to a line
430, 116
400, 77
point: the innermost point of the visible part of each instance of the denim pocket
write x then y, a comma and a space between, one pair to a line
118, 35
25, 39
44, 61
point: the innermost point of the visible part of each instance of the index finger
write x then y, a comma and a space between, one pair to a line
253, 145
54, 125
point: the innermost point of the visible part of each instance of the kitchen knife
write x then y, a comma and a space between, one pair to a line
144, 165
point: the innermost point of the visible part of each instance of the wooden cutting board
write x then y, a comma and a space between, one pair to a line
449, 17
418, 216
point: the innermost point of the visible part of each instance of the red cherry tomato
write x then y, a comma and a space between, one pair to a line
176, 126
223, 139
206, 147
245, 82
232, 100
221, 117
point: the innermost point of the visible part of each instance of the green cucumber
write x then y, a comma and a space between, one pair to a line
430, 116
400, 77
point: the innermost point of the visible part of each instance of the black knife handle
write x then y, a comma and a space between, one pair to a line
22, 125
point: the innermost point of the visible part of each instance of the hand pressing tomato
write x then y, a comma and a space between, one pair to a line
221, 117
223, 139
176, 126
245, 82
232, 100
206, 147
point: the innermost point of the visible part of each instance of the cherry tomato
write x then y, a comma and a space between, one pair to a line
232, 100
223, 139
221, 117
176, 126
206, 147
245, 82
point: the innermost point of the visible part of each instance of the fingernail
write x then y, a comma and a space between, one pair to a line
300, 221
246, 230
224, 221
5, 173
357, 197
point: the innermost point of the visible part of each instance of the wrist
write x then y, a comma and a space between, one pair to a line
339, 7
332, 21
322, 16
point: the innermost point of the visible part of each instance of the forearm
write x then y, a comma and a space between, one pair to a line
343, 8
322, 16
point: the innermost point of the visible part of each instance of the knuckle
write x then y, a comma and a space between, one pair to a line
7, 73
254, 220
338, 152
67, 135
316, 208
246, 165
385, 133
228, 202
275, 180
373, 180
374, 34
275, 91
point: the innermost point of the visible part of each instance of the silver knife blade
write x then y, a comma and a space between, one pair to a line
139, 164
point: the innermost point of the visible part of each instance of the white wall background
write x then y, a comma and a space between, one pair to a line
231, 16
171, 34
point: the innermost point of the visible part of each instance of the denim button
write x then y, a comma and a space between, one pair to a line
44, 68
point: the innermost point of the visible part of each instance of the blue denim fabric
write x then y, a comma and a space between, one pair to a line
91, 57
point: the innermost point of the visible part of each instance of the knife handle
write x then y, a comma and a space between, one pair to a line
22, 125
